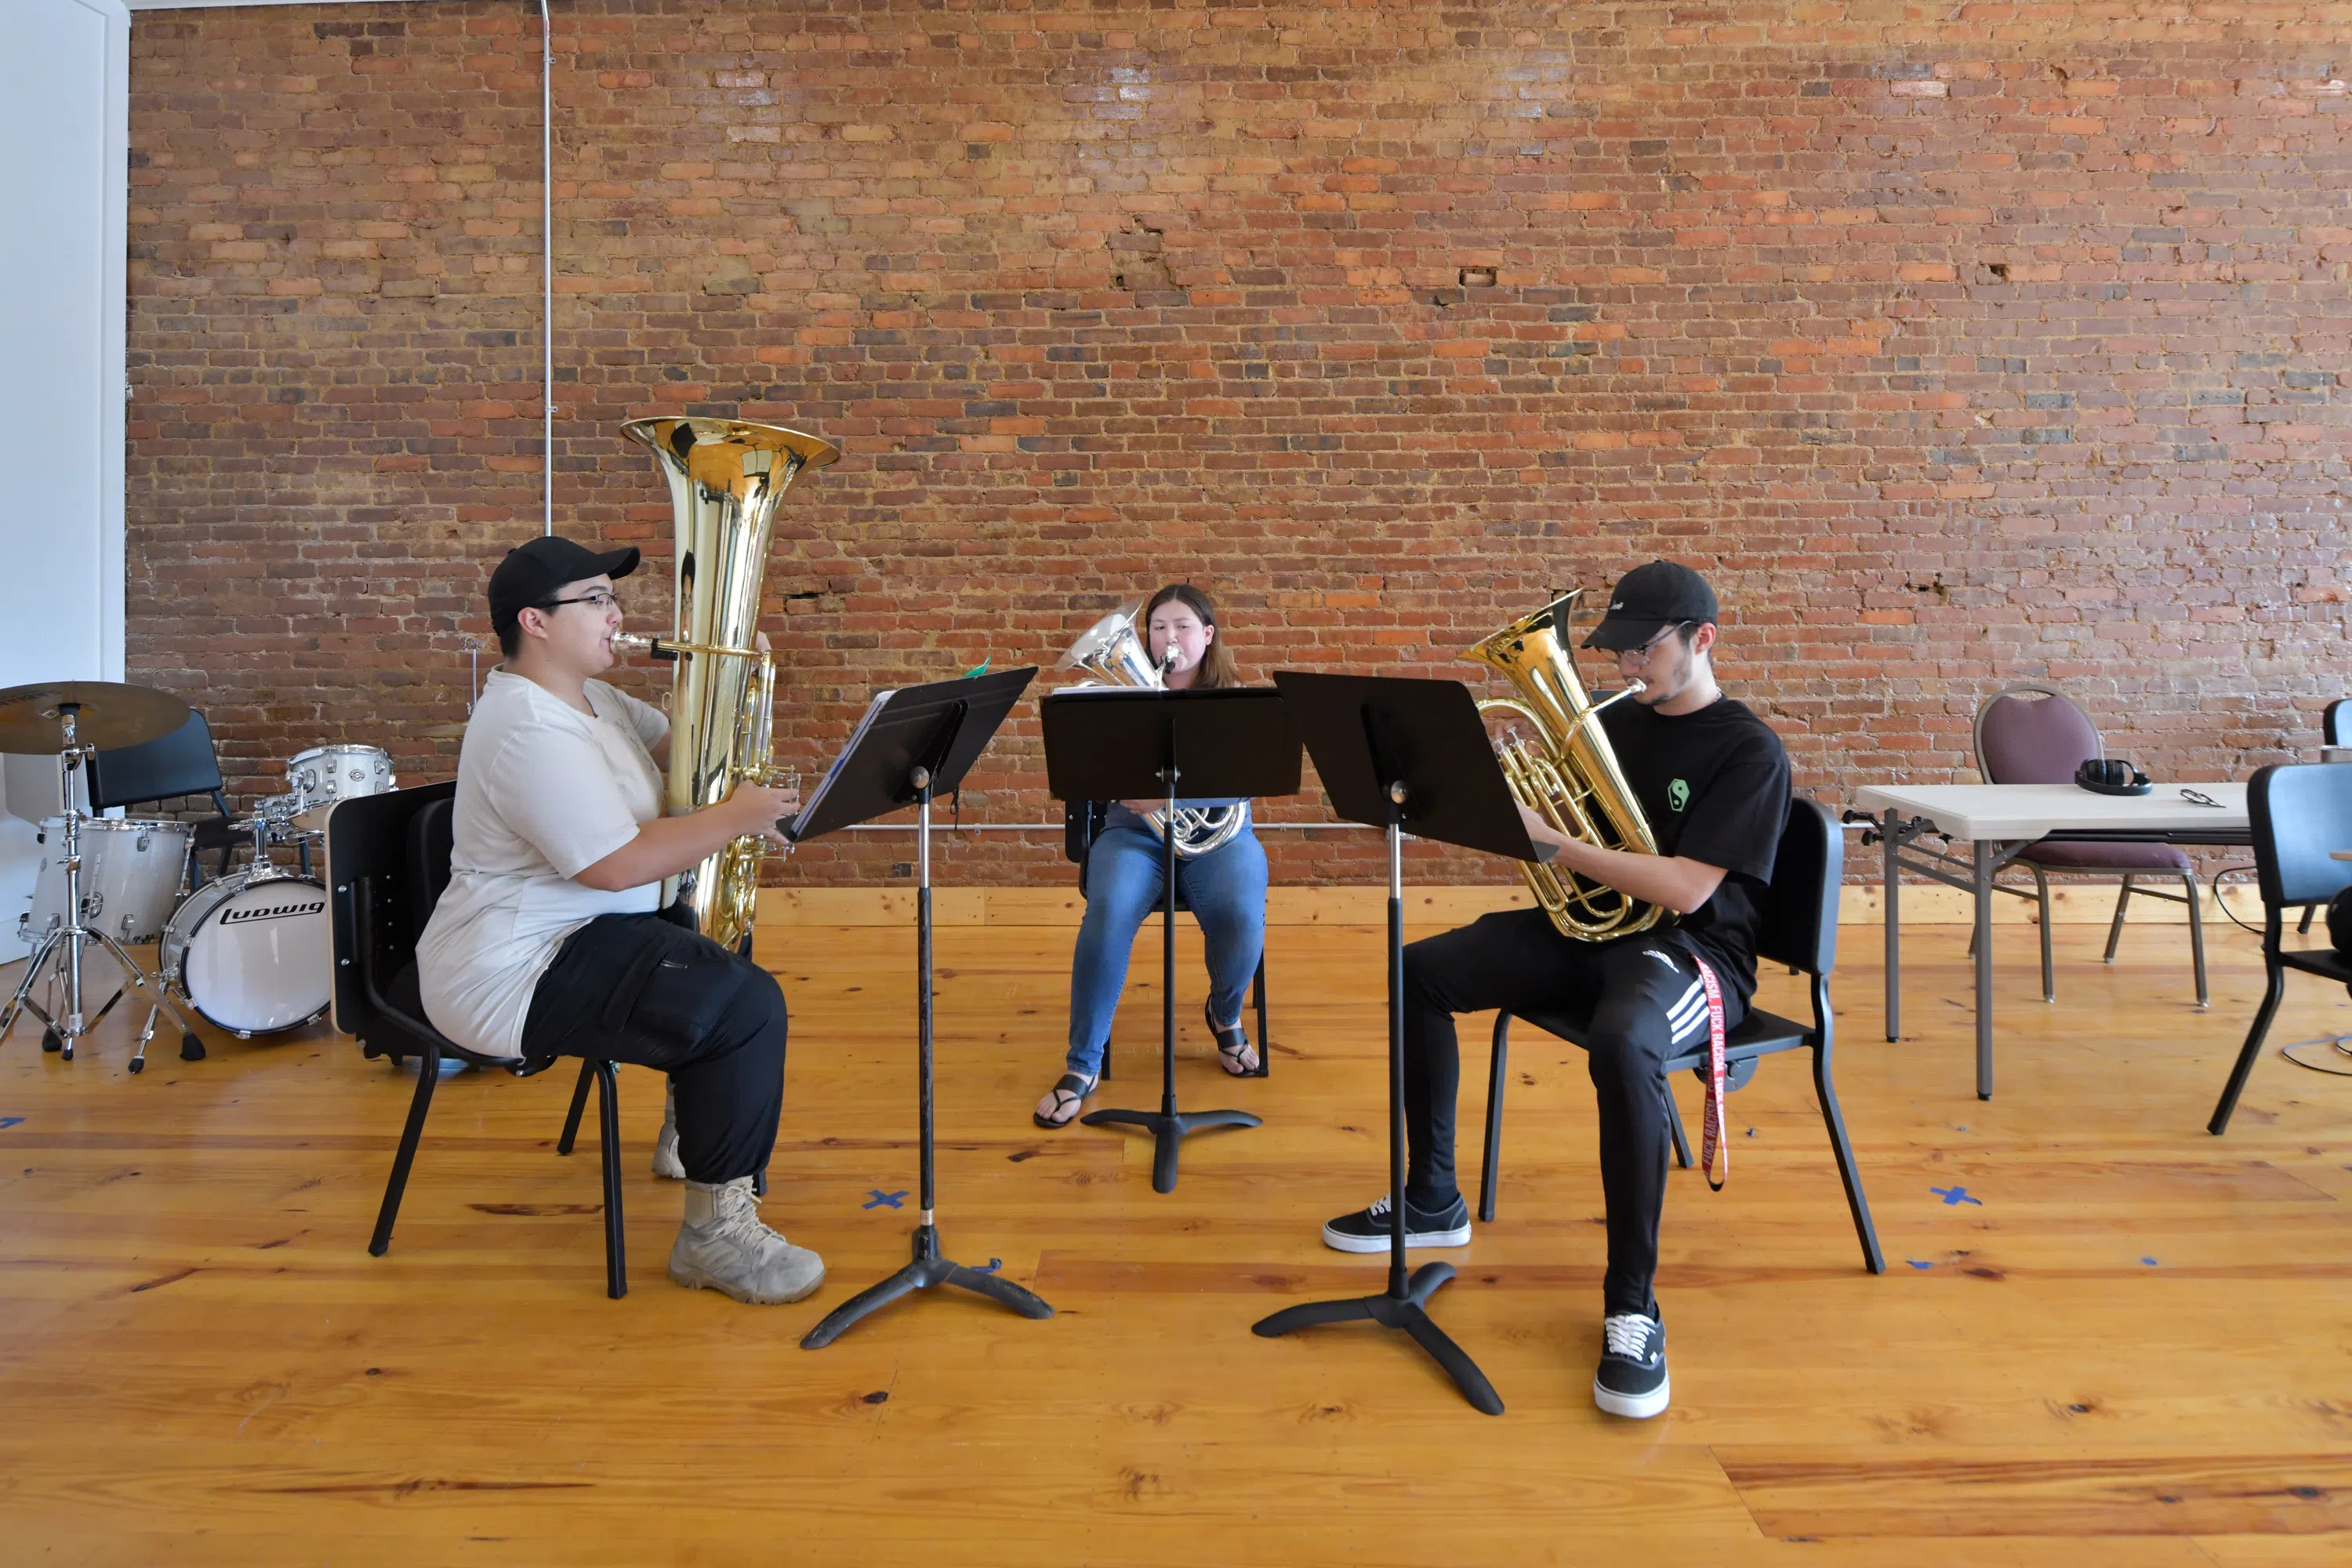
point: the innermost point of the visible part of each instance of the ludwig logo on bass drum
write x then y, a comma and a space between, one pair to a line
272, 911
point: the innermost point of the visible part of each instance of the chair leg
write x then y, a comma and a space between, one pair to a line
428, 1076
2304, 927
2042, 891
2116, 931
1674, 1126
1490, 1163
579, 1104
1264, 1068
2196, 936
2253, 1047
608, 1128
1848, 1172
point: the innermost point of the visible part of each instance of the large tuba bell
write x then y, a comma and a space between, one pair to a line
726, 478
1114, 655
1568, 774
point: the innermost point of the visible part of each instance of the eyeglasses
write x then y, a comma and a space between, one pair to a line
2195, 799
1644, 651
596, 599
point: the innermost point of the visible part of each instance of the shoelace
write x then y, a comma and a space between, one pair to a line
1627, 1334
1380, 1206
744, 1226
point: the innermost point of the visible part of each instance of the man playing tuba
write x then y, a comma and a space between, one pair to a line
1712, 782
550, 940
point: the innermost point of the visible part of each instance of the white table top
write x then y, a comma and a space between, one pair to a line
2010, 812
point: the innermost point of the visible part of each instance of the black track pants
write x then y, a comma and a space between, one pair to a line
1637, 1002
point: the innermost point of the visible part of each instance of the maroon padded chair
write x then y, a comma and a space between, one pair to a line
2034, 734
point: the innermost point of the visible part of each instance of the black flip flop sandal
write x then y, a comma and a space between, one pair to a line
1069, 1093
1231, 1046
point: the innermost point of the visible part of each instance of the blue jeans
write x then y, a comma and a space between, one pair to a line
1226, 890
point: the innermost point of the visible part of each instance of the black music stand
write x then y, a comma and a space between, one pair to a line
1127, 744
913, 743
1392, 753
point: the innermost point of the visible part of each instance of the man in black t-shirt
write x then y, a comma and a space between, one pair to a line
1712, 782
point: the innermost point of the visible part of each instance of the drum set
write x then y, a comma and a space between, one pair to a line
249, 952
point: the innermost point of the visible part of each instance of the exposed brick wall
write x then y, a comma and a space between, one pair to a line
1961, 343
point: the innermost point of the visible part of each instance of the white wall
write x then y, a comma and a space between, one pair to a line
65, 118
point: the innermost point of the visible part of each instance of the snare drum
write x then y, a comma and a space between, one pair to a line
326, 774
131, 872
252, 952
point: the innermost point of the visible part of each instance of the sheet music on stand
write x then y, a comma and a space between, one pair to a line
881, 700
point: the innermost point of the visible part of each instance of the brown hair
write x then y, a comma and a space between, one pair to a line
1217, 664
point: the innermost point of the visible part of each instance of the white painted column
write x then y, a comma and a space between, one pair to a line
65, 116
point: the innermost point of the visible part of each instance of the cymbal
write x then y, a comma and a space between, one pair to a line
451, 732
108, 714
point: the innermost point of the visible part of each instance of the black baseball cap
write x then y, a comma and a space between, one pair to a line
1648, 599
534, 573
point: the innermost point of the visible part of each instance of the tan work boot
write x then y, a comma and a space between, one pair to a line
666, 1164
723, 1244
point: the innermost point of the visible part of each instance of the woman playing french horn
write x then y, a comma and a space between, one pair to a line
1225, 887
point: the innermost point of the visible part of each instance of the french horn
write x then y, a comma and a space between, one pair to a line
1113, 653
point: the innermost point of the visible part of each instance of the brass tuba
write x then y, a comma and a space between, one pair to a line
1113, 653
726, 478
1568, 774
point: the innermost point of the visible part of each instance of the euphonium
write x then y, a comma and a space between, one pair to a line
726, 479
1569, 774
1114, 655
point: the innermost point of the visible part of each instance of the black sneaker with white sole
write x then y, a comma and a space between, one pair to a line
1632, 1376
1367, 1230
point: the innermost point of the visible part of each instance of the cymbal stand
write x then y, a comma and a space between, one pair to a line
65, 942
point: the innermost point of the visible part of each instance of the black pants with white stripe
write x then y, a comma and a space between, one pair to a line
1638, 1001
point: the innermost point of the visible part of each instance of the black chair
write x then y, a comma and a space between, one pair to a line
183, 762
2300, 815
1082, 823
1798, 927
387, 863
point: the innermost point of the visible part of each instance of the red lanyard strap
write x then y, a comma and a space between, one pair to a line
1712, 1136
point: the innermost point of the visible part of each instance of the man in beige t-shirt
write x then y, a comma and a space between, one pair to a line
549, 940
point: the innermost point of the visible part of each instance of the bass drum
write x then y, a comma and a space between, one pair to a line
252, 952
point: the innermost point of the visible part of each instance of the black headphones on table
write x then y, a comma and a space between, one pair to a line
2112, 775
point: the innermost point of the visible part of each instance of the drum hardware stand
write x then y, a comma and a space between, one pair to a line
65, 942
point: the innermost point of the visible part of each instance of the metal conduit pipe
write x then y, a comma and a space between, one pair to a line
1059, 827
546, 265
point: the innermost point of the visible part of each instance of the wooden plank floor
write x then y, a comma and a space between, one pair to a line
2127, 1345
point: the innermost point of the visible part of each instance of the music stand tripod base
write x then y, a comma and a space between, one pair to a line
927, 1272
1408, 1311
1167, 1128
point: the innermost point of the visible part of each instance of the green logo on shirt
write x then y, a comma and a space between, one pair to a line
1678, 794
